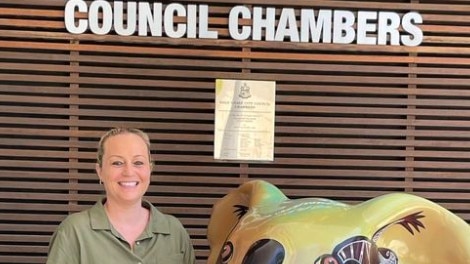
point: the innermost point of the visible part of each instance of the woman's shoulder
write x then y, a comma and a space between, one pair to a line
74, 220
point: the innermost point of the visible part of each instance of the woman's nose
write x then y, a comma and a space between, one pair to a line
127, 170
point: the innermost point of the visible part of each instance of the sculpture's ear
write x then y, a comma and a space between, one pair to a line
224, 216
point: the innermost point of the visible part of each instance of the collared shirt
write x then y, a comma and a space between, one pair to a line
88, 237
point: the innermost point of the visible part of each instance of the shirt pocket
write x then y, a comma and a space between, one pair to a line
171, 259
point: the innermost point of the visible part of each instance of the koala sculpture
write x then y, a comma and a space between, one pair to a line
257, 224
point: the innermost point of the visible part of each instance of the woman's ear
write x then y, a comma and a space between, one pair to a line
98, 171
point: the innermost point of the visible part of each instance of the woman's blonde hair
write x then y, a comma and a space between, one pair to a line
118, 131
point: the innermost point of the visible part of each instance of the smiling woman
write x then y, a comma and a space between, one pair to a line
126, 227
124, 168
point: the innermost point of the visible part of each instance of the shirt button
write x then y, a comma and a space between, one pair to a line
138, 243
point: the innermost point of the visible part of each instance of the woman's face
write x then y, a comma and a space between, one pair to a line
126, 169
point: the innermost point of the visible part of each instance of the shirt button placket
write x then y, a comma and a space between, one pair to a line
137, 243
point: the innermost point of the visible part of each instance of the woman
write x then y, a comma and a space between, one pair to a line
122, 227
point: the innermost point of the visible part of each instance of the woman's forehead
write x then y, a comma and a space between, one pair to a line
127, 142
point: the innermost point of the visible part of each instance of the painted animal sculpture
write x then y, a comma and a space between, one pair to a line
257, 224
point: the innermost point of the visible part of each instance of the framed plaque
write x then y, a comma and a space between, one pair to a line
244, 120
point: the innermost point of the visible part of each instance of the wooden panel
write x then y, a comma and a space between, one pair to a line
352, 121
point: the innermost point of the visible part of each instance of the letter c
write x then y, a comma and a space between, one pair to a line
69, 16
235, 14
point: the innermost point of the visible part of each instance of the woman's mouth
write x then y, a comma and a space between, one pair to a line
128, 183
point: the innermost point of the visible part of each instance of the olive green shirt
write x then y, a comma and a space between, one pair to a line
88, 237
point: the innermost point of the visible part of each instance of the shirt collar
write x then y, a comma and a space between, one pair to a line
158, 222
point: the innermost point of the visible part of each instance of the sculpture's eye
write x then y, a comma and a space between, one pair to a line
227, 252
329, 260
265, 251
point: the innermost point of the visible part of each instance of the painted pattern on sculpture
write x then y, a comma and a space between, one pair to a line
257, 223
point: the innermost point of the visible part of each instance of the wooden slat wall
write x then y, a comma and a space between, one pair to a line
352, 121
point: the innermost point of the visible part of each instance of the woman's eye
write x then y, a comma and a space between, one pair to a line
116, 163
138, 163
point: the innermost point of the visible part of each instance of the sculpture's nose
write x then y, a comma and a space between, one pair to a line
265, 251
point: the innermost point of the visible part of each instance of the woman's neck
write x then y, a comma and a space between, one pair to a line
129, 220
124, 212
